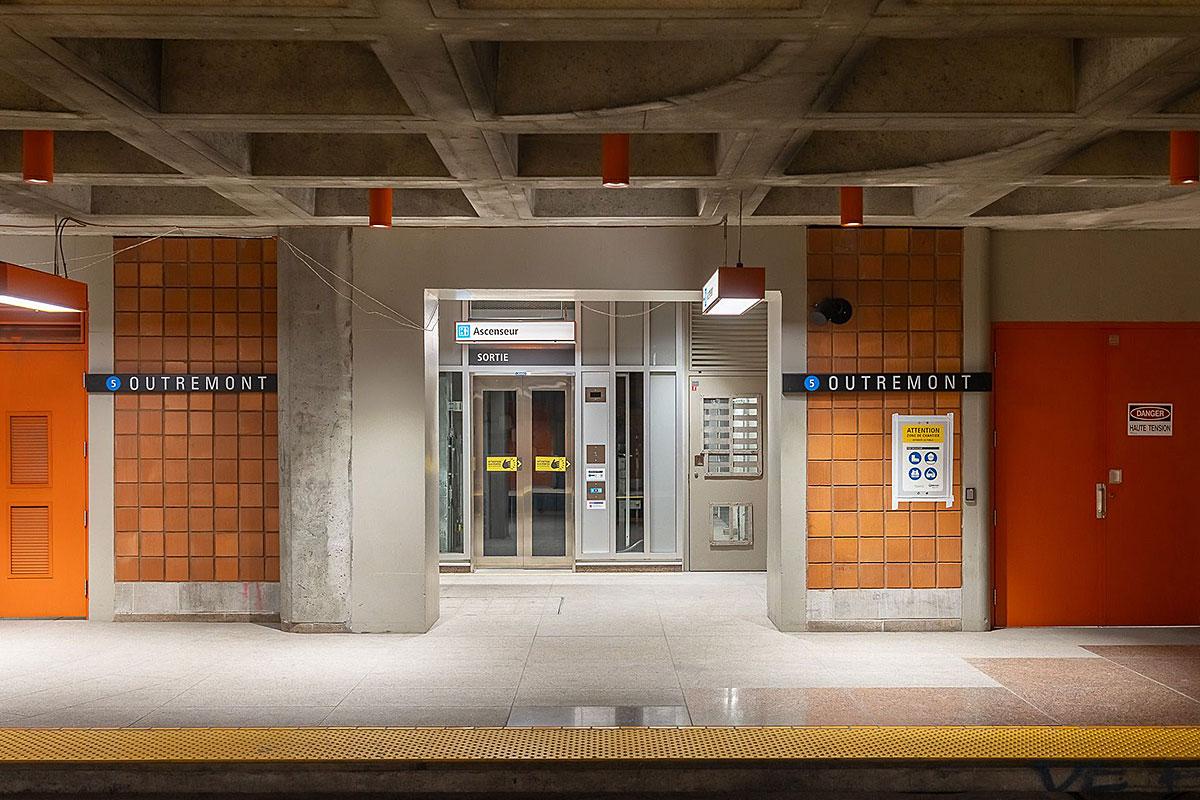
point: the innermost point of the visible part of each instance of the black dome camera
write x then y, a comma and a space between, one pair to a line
832, 309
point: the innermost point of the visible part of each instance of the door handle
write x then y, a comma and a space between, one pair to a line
1101, 501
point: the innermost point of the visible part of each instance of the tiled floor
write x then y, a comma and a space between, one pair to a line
587, 649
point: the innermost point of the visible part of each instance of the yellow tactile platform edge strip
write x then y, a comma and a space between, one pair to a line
248, 745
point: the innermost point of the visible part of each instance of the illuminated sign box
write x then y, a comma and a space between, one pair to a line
525, 332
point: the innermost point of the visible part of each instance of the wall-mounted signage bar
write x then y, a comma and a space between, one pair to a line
151, 383
802, 382
523, 331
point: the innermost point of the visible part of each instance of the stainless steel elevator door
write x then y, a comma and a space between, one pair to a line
522, 472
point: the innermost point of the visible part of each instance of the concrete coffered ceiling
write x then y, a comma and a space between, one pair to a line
261, 113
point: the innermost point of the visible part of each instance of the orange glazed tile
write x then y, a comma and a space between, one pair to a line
870, 550
201, 544
870, 446
845, 420
251, 569
845, 576
845, 240
897, 576
949, 240
924, 576
949, 522
201, 569
870, 473
820, 420
820, 523
176, 569
895, 240
820, 576
250, 544
923, 549
948, 318
225, 543
845, 498
920, 318
949, 549
271, 542
226, 569
820, 447
819, 473
870, 318
870, 498
845, 523
151, 569
820, 266
126, 569
820, 498
949, 576
820, 343
845, 447
922, 240
870, 267
949, 293
921, 523
845, 268
896, 523
895, 293
844, 473
175, 519
845, 344
870, 523
820, 551
897, 550
895, 318
870, 345
870, 240
870, 293
870, 576
271, 568
923, 269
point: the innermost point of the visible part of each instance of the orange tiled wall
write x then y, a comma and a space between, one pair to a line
197, 477
905, 284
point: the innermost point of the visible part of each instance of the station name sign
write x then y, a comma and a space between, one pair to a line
801, 382
522, 332
151, 383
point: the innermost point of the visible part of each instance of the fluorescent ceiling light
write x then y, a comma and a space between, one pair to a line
25, 302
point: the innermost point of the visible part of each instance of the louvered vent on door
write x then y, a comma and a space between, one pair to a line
728, 344
29, 450
29, 541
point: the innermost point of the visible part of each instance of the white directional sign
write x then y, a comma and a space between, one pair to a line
535, 332
922, 459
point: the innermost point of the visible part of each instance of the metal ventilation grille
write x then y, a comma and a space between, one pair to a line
521, 309
29, 450
29, 541
728, 344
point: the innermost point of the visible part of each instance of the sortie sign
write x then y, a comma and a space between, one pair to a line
151, 383
802, 382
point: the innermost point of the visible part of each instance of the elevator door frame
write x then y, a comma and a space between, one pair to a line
524, 386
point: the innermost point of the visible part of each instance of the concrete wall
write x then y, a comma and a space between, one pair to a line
90, 261
1095, 275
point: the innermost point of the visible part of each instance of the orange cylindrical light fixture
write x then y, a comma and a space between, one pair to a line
37, 157
1185, 157
380, 208
850, 200
614, 159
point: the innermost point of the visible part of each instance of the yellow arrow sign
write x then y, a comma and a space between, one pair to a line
551, 463
503, 463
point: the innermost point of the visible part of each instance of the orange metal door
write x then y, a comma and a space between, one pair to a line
43, 483
1048, 410
1094, 526
1152, 531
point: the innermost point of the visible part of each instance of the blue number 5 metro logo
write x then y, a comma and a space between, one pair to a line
112, 383
463, 330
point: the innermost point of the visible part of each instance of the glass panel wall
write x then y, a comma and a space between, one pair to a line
500, 483
549, 429
630, 485
450, 463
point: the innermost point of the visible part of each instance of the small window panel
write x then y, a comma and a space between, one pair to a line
732, 436
732, 524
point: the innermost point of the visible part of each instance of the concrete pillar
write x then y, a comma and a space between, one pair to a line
787, 549
395, 565
315, 421
976, 431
